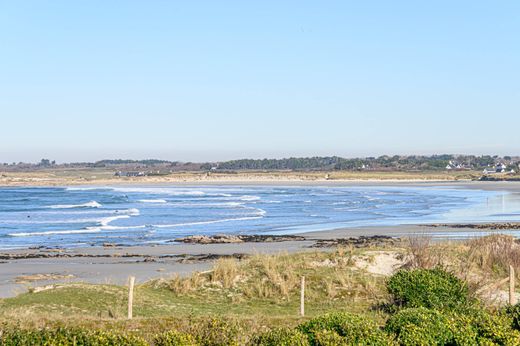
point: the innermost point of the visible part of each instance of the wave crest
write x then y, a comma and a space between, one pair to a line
91, 204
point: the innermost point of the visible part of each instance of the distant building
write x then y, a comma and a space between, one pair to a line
130, 174
455, 165
498, 168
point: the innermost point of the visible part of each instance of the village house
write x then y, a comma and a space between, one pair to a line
130, 174
498, 168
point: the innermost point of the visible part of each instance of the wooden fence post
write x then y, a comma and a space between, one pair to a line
512, 293
131, 297
302, 297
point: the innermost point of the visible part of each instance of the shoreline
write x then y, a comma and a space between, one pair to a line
114, 264
23, 270
505, 185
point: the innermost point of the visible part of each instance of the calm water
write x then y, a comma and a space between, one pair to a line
143, 215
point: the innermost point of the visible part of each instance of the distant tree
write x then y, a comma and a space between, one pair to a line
45, 162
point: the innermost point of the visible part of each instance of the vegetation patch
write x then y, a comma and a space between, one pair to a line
429, 288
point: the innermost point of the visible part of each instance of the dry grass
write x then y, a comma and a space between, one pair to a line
225, 272
329, 276
481, 262
421, 253
495, 253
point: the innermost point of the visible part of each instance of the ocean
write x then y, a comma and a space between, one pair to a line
138, 215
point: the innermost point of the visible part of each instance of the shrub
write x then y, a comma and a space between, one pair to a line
429, 288
216, 331
491, 328
63, 336
175, 338
281, 337
330, 338
513, 312
421, 326
355, 330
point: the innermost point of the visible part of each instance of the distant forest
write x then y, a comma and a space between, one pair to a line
318, 163
411, 162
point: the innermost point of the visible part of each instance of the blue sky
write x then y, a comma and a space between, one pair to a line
215, 80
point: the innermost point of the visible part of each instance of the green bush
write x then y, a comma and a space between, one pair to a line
355, 330
329, 338
513, 312
63, 336
216, 331
429, 288
175, 338
421, 326
281, 337
490, 328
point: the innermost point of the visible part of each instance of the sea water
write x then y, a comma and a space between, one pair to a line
86, 216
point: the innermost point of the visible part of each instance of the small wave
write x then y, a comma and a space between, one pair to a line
115, 228
105, 221
35, 234
91, 204
152, 201
249, 198
130, 212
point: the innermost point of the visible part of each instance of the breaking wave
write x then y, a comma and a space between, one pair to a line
152, 201
91, 204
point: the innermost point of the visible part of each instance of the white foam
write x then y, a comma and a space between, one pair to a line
152, 201
91, 204
34, 234
106, 220
249, 198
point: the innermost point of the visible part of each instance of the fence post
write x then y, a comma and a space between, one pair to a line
302, 297
131, 297
512, 294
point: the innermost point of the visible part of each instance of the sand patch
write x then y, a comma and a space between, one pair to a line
41, 277
380, 262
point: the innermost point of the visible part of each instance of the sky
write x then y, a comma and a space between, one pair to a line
219, 80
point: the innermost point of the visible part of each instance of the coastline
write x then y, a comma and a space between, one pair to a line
115, 263
104, 177
29, 269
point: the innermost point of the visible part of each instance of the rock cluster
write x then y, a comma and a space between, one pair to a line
491, 226
361, 241
225, 238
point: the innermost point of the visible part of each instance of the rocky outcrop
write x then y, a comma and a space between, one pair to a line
361, 241
224, 238
484, 226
